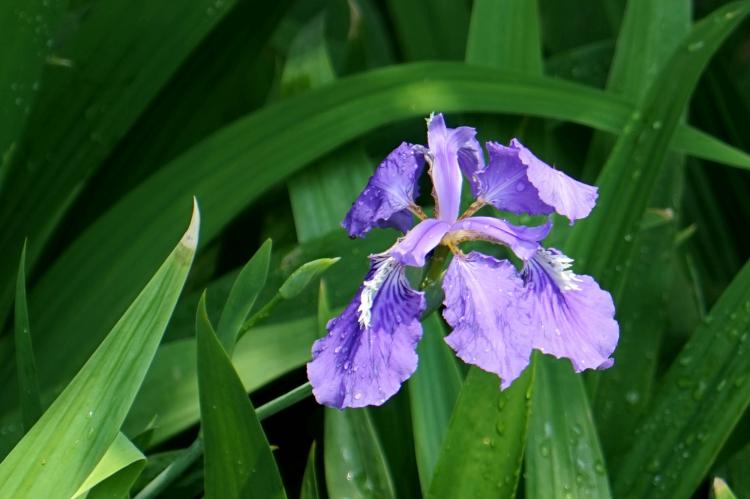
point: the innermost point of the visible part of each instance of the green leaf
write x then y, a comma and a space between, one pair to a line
28, 384
736, 475
721, 490
621, 394
260, 357
138, 228
248, 285
310, 487
85, 105
116, 472
630, 174
433, 391
305, 274
563, 458
27, 28
60, 451
700, 400
238, 459
483, 450
322, 193
355, 465
426, 31
505, 34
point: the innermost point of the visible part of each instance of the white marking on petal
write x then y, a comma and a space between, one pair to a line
371, 288
557, 267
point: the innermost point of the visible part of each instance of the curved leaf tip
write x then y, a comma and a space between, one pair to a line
190, 238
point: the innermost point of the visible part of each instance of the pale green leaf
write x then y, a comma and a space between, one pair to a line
61, 450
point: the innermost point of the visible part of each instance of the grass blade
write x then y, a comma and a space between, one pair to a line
355, 465
116, 472
700, 400
433, 391
248, 285
260, 357
28, 384
505, 34
426, 32
27, 29
563, 457
621, 394
483, 449
238, 459
310, 487
64, 446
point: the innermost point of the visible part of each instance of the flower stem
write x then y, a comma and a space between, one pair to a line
258, 316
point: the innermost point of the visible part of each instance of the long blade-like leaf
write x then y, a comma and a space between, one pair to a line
505, 34
483, 448
563, 458
260, 357
433, 391
116, 472
238, 459
248, 285
699, 402
28, 384
58, 453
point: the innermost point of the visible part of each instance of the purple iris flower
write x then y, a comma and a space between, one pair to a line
498, 314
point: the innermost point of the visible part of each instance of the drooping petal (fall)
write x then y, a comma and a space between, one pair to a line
370, 348
390, 191
572, 316
480, 305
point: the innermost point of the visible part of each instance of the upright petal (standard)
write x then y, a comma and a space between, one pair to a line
451, 151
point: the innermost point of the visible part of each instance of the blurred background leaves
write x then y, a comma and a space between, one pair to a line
113, 114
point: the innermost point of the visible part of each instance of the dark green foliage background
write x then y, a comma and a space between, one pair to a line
115, 113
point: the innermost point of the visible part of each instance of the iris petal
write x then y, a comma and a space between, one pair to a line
572, 316
523, 240
413, 248
370, 348
517, 181
390, 191
451, 150
480, 306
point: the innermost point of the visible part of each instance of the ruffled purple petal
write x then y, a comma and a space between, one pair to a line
569, 197
572, 316
412, 249
451, 151
517, 181
389, 192
480, 306
524, 241
370, 348
504, 183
